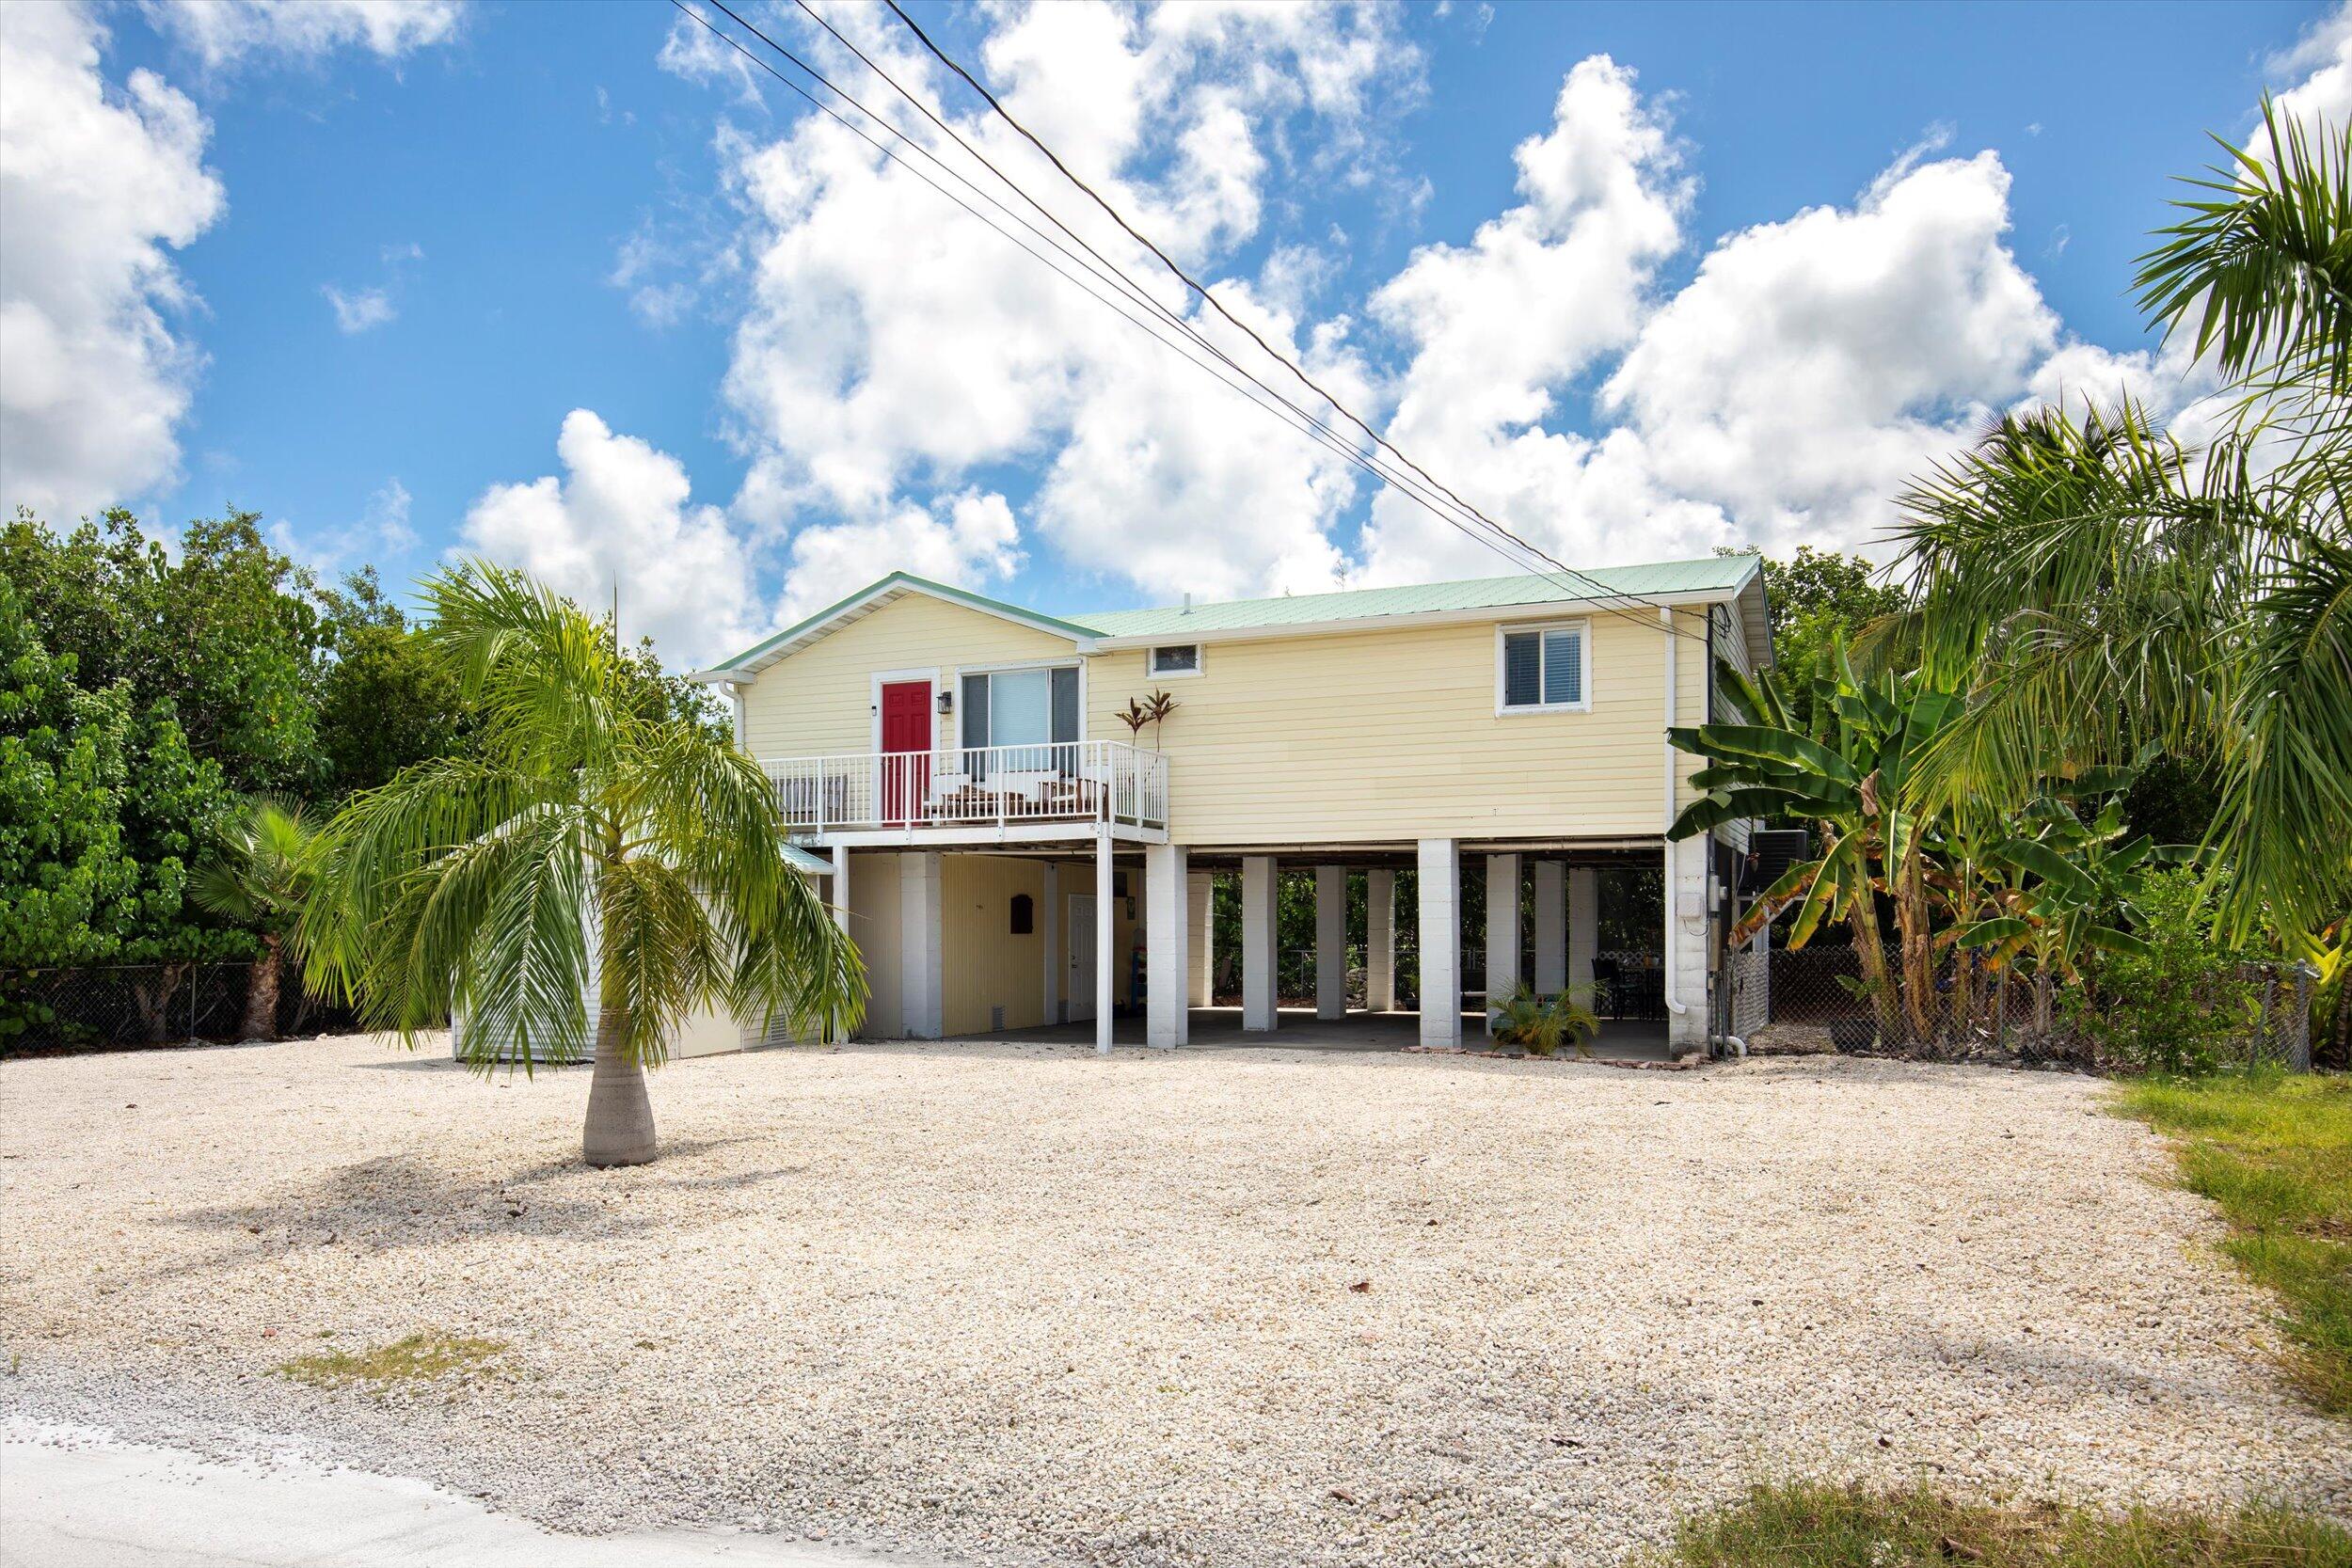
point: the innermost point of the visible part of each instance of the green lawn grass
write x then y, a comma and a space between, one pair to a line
1816, 1525
2275, 1151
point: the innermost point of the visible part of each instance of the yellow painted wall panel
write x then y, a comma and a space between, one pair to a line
819, 701
1392, 733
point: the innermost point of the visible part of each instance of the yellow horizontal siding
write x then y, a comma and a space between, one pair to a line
819, 701
1392, 735
1381, 735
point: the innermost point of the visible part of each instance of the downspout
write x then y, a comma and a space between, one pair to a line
1666, 620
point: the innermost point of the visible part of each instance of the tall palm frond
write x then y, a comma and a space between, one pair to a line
592, 874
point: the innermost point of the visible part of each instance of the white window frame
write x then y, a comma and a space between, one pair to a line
1013, 666
1152, 662
1583, 629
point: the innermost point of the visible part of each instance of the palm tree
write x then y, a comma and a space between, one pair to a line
2106, 589
259, 873
468, 886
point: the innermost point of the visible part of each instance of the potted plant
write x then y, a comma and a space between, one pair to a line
1147, 710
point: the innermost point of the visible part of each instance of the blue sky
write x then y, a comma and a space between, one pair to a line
530, 211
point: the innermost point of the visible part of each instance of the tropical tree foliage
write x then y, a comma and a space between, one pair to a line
2101, 586
472, 885
259, 874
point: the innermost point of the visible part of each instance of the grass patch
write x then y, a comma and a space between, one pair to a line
2275, 1151
418, 1358
1818, 1524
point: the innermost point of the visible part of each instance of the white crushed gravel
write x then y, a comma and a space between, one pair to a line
1020, 1303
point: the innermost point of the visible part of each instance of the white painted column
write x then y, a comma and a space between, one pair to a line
1380, 941
1201, 938
834, 1029
1686, 948
1502, 931
1257, 942
1552, 928
1106, 958
1049, 927
1167, 933
922, 948
1441, 881
1583, 930
1332, 941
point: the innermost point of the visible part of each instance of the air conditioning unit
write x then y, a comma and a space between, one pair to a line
1776, 849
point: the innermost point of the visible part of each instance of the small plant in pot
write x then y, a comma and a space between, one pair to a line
1540, 1025
1149, 710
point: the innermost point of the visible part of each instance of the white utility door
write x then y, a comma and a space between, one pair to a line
1081, 927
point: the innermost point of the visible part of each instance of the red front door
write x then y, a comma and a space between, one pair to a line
906, 739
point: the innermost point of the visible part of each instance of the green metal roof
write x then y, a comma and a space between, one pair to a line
1715, 574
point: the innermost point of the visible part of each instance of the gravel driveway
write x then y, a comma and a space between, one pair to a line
1022, 1303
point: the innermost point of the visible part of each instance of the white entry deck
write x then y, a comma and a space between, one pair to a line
1064, 791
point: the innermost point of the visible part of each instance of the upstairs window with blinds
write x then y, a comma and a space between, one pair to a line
1021, 719
1543, 669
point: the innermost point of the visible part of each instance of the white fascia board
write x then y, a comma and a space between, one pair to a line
1546, 610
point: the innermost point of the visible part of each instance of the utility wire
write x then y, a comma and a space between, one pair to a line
1314, 430
1103, 269
1283, 407
1217, 304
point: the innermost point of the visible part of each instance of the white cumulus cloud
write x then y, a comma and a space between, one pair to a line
861, 391
225, 33
621, 514
98, 185
358, 309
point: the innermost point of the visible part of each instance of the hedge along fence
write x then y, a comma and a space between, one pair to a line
110, 1006
1812, 999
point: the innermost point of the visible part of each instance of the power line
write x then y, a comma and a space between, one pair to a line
1217, 304
1281, 408
1312, 429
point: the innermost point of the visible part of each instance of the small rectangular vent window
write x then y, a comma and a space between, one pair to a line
1180, 658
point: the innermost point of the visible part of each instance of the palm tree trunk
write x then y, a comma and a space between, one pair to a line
620, 1113
260, 991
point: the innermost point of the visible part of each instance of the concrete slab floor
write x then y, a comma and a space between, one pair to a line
1299, 1029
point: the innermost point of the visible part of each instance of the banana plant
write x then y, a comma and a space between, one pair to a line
2070, 888
1847, 772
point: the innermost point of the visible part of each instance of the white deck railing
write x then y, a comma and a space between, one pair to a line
1101, 782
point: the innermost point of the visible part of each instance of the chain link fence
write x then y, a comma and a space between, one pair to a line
1815, 999
112, 1007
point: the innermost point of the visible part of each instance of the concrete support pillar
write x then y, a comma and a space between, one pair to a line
1583, 927
1105, 956
1201, 938
1332, 941
1441, 881
1380, 941
1049, 927
836, 1029
1552, 928
1166, 933
1502, 931
922, 955
1257, 942
1686, 943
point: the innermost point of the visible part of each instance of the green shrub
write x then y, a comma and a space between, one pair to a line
1541, 1026
2179, 1004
